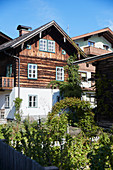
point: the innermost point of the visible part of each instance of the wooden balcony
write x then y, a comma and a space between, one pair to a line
95, 51
6, 83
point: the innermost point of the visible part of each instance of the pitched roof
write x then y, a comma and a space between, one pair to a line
94, 58
18, 41
5, 36
106, 33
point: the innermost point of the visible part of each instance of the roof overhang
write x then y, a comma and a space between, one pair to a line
94, 59
107, 33
16, 42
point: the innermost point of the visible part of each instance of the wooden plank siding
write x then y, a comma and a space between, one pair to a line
46, 71
46, 64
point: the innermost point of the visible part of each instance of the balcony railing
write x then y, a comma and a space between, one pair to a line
95, 51
6, 83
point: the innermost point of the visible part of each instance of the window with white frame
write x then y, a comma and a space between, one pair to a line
32, 71
32, 101
47, 45
60, 73
83, 76
91, 43
6, 101
43, 44
90, 97
51, 46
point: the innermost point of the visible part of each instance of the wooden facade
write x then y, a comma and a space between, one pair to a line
46, 64
46, 61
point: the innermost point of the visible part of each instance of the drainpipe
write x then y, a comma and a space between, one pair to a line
11, 55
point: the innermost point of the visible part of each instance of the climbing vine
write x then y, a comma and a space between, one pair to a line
71, 87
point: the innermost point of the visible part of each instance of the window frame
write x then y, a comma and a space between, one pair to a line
34, 78
63, 52
36, 102
47, 46
89, 96
62, 73
7, 103
53, 46
89, 41
28, 46
80, 72
40, 45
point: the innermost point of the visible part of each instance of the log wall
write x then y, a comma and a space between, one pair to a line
46, 64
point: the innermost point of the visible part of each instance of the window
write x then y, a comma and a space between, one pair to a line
51, 46
47, 45
60, 73
43, 45
6, 101
105, 47
32, 101
28, 47
9, 70
63, 52
2, 113
90, 97
32, 71
91, 43
83, 76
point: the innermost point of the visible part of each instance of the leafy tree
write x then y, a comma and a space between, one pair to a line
71, 87
79, 114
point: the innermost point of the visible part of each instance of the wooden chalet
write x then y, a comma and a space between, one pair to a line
29, 62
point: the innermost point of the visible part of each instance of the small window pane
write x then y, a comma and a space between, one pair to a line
51, 46
6, 101
43, 45
59, 73
32, 71
32, 101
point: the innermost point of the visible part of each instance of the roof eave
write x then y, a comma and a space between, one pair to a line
93, 59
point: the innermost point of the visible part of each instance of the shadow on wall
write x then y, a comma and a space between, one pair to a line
55, 98
11, 113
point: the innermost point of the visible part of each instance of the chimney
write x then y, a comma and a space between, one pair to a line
23, 29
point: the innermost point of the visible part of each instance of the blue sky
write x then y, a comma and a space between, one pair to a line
82, 16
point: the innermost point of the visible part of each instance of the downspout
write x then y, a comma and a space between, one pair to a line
18, 70
18, 74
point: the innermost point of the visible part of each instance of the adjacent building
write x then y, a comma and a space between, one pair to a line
93, 44
104, 85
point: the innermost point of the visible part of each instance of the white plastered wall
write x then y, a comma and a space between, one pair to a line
99, 42
46, 99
